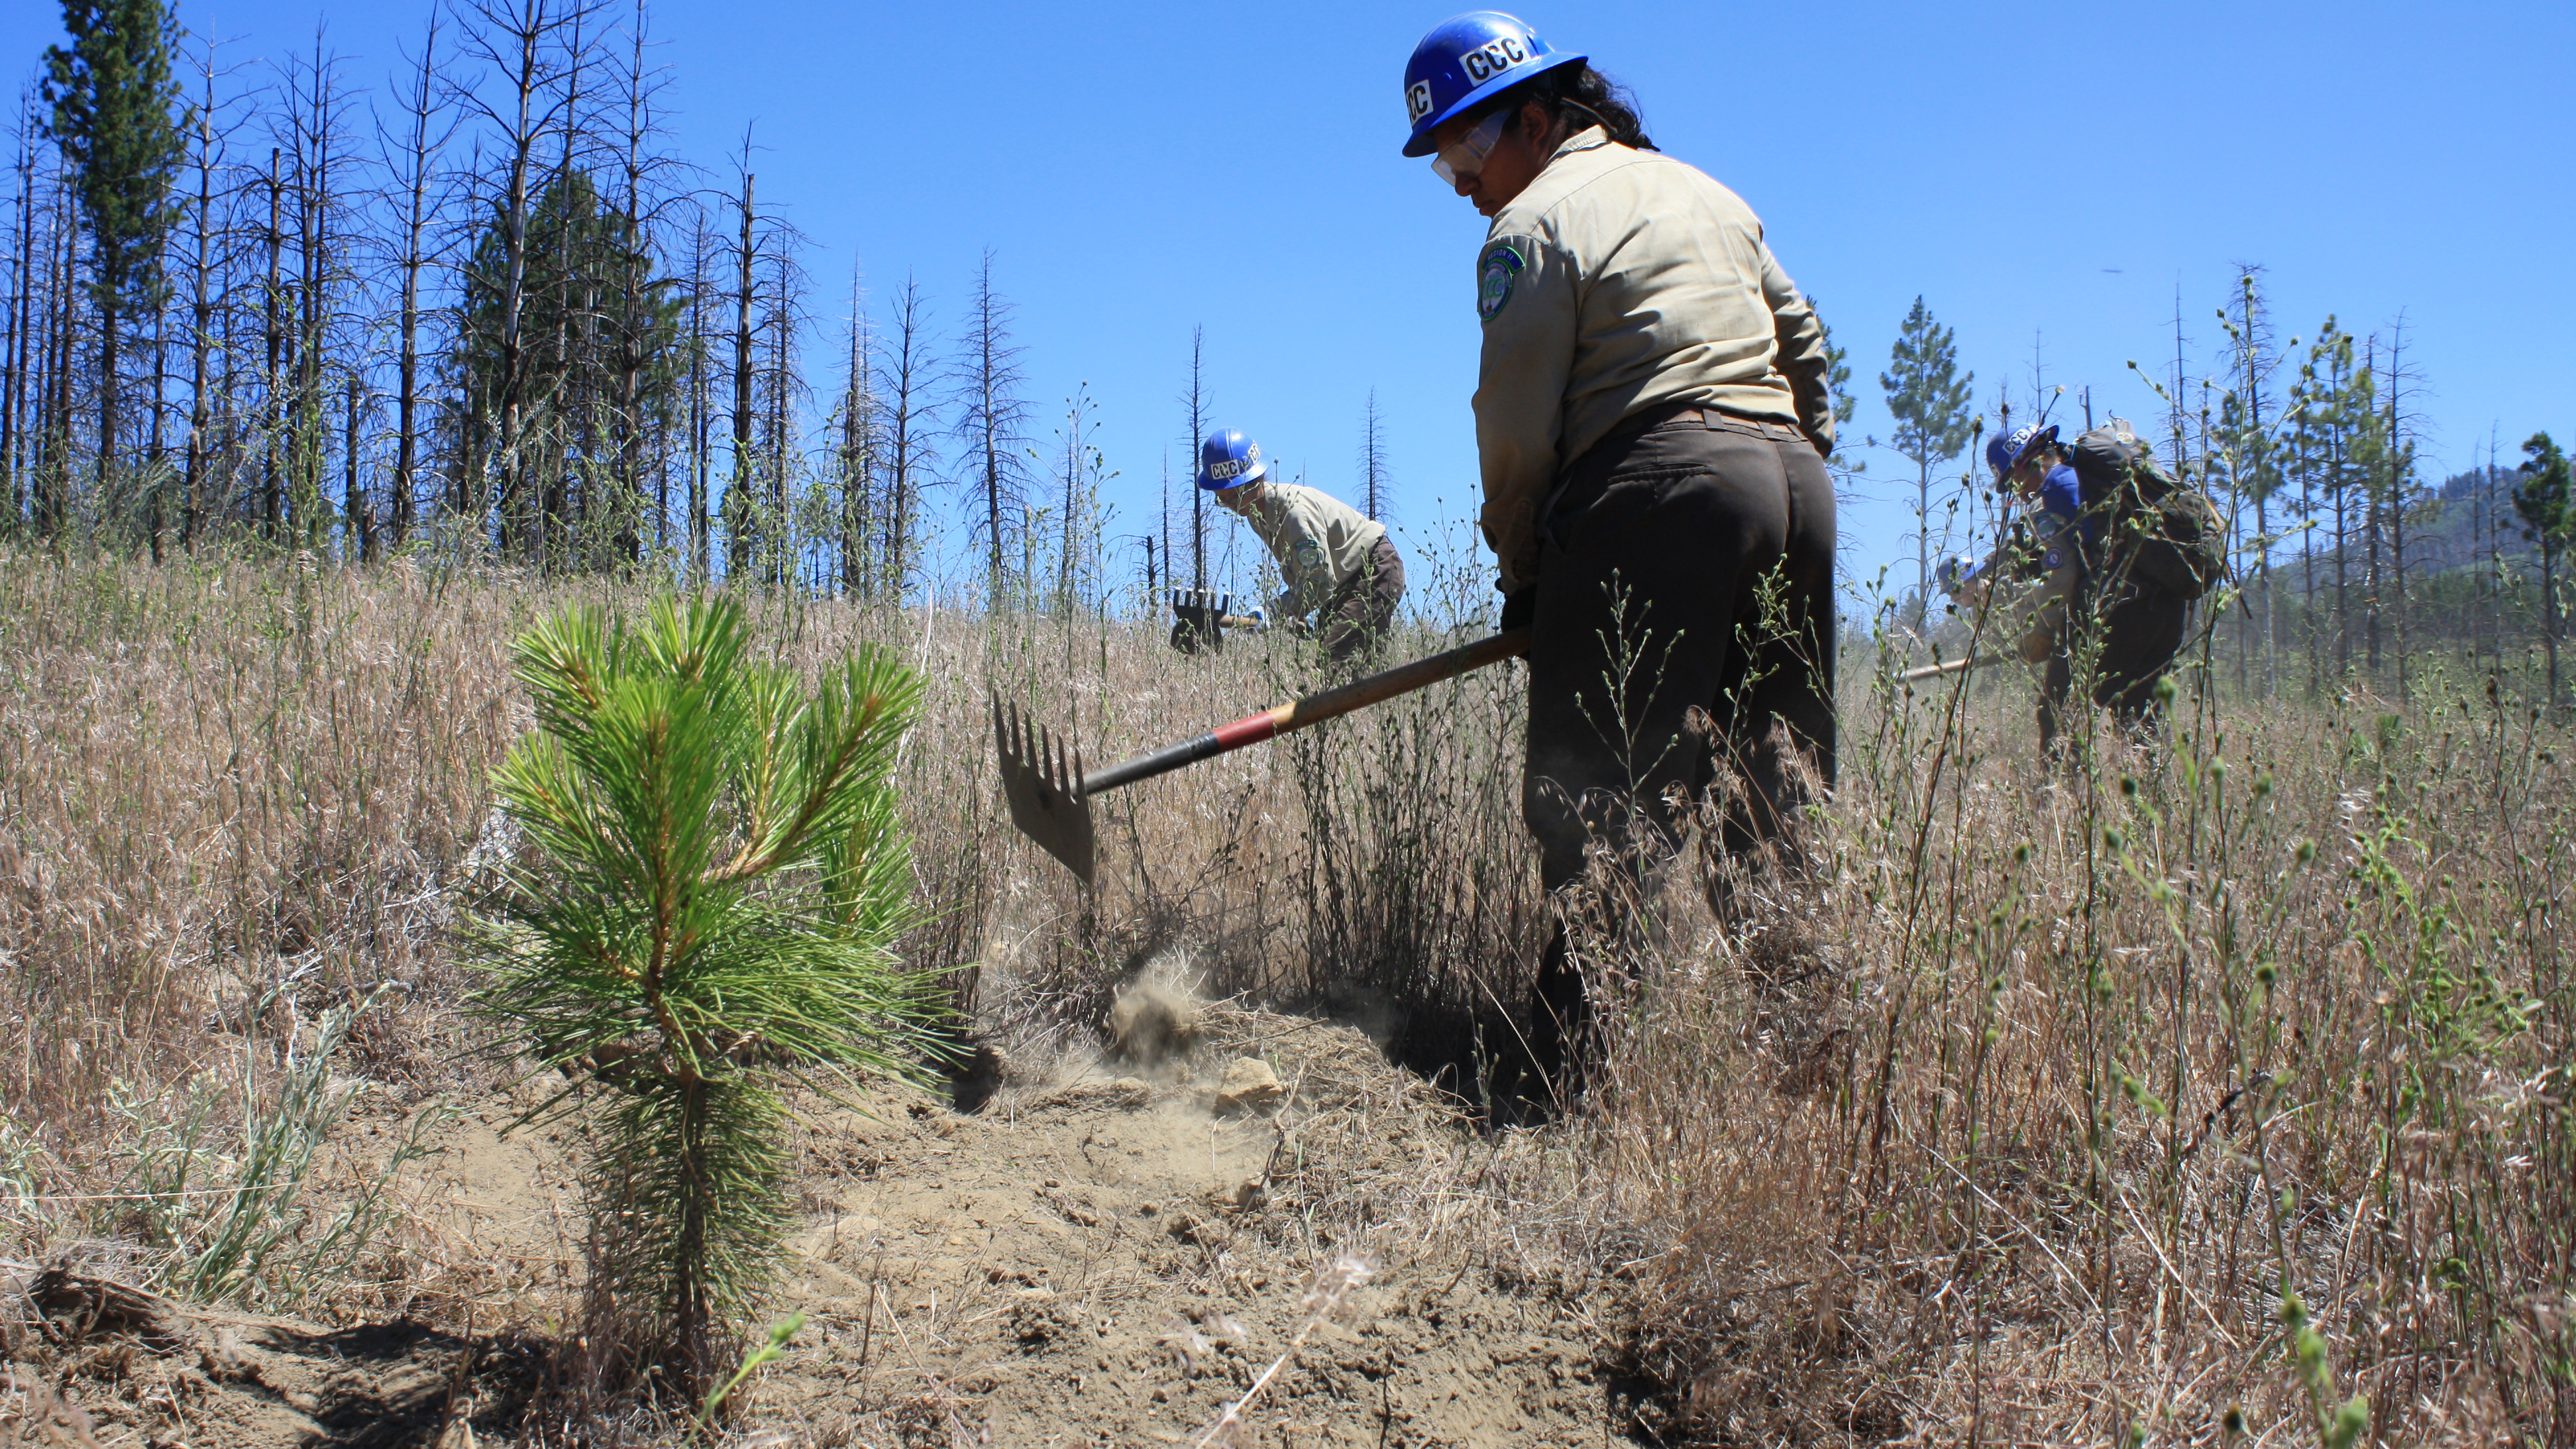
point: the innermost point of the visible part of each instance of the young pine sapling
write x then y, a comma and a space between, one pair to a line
715, 885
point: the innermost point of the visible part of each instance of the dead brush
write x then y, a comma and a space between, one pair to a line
2144, 1097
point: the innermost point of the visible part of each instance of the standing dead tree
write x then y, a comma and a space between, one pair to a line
14, 358
782, 394
742, 492
525, 49
1196, 400
1374, 481
312, 130
909, 420
1082, 470
701, 560
992, 423
361, 544
272, 393
2402, 502
855, 467
206, 156
411, 162
641, 318
64, 319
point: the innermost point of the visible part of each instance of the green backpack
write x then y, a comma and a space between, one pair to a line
2155, 529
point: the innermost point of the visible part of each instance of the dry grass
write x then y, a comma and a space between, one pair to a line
2025, 1125
2002, 1130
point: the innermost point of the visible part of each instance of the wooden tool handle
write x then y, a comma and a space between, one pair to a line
1946, 666
1313, 709
1402, 679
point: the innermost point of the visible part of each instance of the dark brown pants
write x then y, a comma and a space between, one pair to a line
1689, 565
2141, 628
1353, 622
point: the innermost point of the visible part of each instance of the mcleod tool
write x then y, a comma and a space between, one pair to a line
1050, 794
1202, 617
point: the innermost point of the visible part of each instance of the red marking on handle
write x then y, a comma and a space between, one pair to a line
1250, 730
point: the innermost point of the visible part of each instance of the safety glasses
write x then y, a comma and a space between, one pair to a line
1467, 158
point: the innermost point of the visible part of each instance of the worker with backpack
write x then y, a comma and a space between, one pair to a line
2136, 548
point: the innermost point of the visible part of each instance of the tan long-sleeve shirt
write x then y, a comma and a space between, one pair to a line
1621, 280
1320, 541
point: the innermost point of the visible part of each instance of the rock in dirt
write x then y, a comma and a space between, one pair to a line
1189, 1227
1249, 1086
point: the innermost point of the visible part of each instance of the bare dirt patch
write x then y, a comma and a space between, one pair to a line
1105, 1254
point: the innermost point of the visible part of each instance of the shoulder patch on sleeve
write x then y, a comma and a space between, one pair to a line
1496, 271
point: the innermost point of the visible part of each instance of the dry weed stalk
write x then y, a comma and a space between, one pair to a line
1335, 1280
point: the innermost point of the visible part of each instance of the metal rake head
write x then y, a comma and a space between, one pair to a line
1198, 619
1042, 778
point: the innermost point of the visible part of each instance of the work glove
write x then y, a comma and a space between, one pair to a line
1519, 608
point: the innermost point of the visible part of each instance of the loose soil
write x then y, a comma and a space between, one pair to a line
1108, 1252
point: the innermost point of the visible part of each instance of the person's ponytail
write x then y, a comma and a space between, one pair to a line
1578, 96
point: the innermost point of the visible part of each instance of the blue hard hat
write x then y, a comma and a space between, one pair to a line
2005, 451
1228, 459
1467, 59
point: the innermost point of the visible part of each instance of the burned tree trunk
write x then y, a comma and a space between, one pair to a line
360, 514
741, 491
272, 513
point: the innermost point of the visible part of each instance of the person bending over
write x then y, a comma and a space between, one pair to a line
1652, 419
1343, 576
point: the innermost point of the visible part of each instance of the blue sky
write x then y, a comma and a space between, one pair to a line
2035, 172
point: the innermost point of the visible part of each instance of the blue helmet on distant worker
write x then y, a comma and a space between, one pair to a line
2005, 451
1228, 459
1464, 60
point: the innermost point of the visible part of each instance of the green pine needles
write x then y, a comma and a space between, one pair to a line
716, 882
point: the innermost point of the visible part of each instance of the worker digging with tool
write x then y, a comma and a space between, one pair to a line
1652, 418
1342, 574
2021, 590
2133, 627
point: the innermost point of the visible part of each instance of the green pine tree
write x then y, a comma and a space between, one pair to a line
715, 885
120, 121
1928, 396
1838, 382
2541, 494
602, 373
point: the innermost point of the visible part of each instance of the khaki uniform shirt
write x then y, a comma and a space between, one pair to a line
2030, 580
1321, 542
1618, 281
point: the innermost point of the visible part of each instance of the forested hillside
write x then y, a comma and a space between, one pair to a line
485, 312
